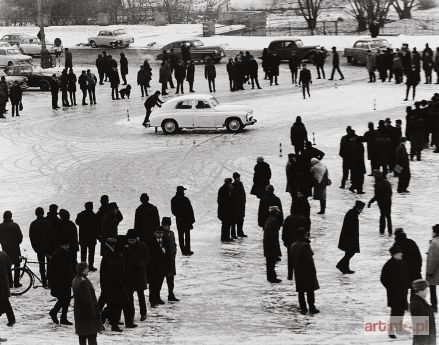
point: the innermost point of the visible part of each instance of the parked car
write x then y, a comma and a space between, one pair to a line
200, 111
22, 81
29, 45
199, 52
111, 38
4, 44
358, 53
36, 76
13, 56
285, 47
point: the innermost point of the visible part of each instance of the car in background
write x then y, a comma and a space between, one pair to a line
200, 111
199, 52
13, 56
284, 48
358, 53
111, 38
22, 81
36, 76
29, 45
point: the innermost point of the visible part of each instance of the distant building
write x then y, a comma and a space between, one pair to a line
253, 4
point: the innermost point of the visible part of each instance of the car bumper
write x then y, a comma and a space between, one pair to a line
251, 122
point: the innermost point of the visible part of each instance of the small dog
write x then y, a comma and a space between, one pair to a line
125, 92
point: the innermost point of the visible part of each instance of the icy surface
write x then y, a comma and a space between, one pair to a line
73, 156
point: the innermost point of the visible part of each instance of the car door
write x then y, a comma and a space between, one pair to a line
204, 114
184, 113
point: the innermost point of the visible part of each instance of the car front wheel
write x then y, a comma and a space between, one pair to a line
169, 127
234, 125
93, 44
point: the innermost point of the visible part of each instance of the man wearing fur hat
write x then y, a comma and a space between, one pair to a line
420, 307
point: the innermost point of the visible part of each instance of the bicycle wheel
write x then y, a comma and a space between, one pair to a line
26, 280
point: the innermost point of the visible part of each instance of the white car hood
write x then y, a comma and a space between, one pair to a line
233, 107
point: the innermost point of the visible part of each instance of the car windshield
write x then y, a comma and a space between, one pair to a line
378, 44
13, 52
299, 43
197, 43
214, 101
119, 32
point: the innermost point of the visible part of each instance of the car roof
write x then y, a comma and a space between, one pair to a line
197, 96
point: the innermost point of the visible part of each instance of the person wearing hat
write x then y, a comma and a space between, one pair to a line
68, 229
109, 225
183, 212
345, 152
261, 177
142, 82
146, 219
349, 241
301, 263
137, 257
52, 217
87, 314
413, 79
62, 273
10, 239
269, 199
54, 90
383, 196
410, 253
291, 171
271, 244
151, 102
432, 274
5, 292
420, 307
395, 278
225, 209
171, 251
157, 267
239, 200
190, 75
335, 64
298, 135
15, 95
320, 180
370, 65
88, 234
180, 76
41, 238
402, 167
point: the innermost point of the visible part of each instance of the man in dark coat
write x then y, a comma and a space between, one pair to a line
105, 64
374, 28
146, 220
225, 209
402, 167
345, 153
180, 75
68, 230
231, 73
239, 200
190, 75
410, 253
269, 199
53, 219
383, 195
394, 277
413, 79
292, 170
4, 96
15, 95
173, 63
335, 64
123, 67
87, 314
419, 307
305, 80
253, 72
83, 85
109, 225
54, 90
150, 103
301, 263
148, 71
41, 238
10, 239
261, 177
158, 267
142, 81
210, 74
320, 62
370, 138
88, 234
170, 248
293, 64
291, 225
68, 58
185, 53
274, 68
350, 237
101, 68
61, 281
137, 257
271, 244
5, 283
91, 86
358, 168
183, 212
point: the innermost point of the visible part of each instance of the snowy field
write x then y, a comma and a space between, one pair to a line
73, 156
154, 37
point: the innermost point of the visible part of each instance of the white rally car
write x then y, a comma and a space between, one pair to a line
200, 111
13, 56
111, 38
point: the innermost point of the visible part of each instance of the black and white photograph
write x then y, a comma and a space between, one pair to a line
219, 172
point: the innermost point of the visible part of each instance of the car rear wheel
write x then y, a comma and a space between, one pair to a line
234, 125
44, 85
93, 44
169, 127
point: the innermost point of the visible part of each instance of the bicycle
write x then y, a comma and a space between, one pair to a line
27, 278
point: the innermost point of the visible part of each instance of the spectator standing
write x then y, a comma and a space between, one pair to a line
181, 208
5, 293
210, 74
10, 239
335, 64
88, 234
83, 85
15, 95
190, 75
123, 68
271, 242
91, 86
71, 87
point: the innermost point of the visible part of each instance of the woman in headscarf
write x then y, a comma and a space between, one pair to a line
319, 173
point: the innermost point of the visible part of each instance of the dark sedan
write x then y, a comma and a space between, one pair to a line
198, 51
36, 76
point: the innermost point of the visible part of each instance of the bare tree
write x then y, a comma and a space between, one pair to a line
367, 10
310, 11
404, 8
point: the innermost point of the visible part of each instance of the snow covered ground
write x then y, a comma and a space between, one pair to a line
157, 36
73, 156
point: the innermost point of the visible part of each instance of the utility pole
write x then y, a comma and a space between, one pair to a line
45, 56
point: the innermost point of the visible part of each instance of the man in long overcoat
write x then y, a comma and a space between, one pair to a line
383, 196
88, 234
123, 67
181, 208
261, 177
146, 220
358, 168
349, 241
225, 209
410, 253
271, 244
5, 283
345, 153
239, 200
10, 239
402, 167
109, 224
298, 135
68, 229
269, 199
370, 137
420, 307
